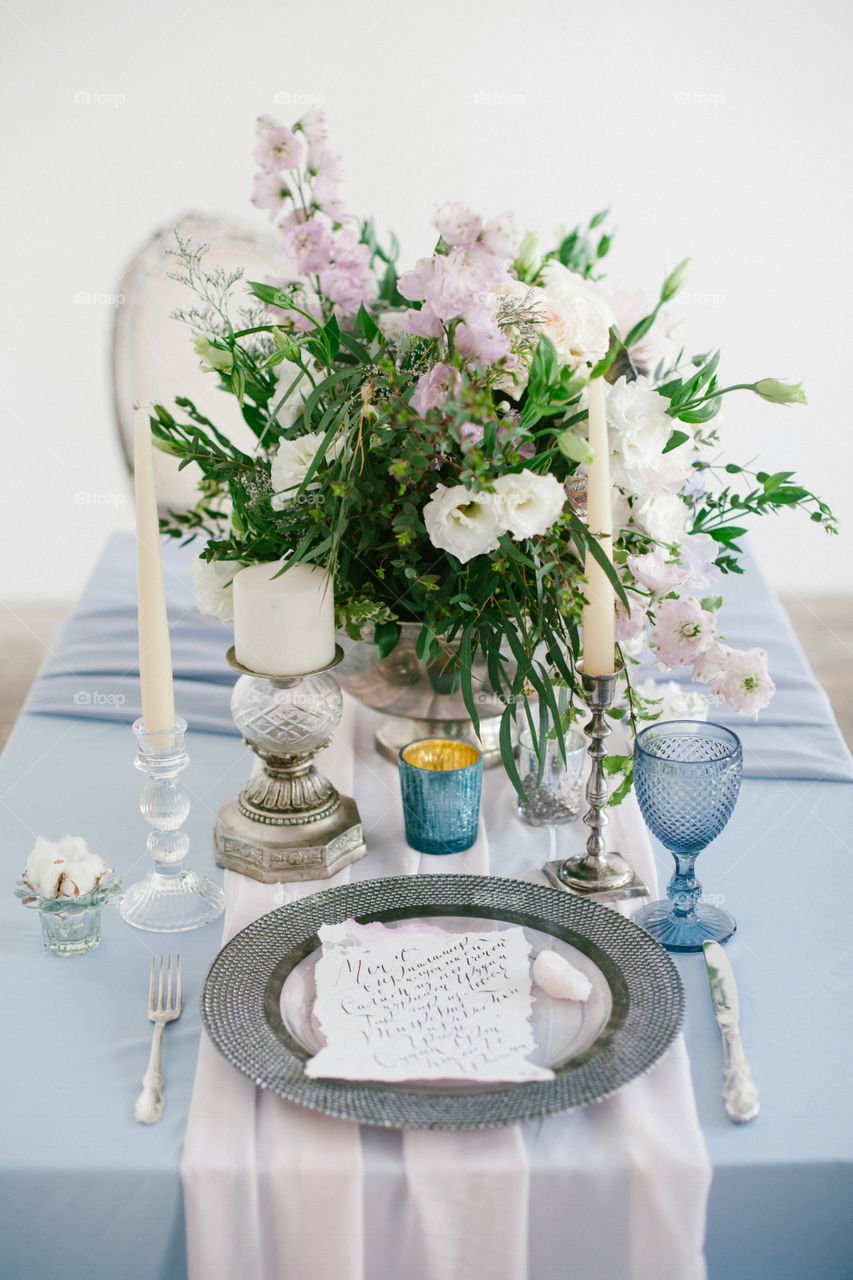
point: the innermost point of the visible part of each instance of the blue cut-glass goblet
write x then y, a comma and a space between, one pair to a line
687, 777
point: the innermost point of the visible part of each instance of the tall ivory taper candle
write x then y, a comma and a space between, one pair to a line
599, 651
155, 655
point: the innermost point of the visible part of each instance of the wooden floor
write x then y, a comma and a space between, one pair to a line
823, 623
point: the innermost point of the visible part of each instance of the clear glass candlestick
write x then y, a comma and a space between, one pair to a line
170, 898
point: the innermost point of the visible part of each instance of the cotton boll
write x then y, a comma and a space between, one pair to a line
67, 869
557, 978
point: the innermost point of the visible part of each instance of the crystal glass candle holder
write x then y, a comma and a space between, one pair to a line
70, 926
171, 898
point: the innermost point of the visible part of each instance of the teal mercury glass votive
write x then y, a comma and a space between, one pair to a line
441, 780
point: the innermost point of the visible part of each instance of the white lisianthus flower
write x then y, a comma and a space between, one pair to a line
585, 316
462, 522
677, 703
214, 359
292, 461
528, 503
639, 428
293, 380
663, 516
212, 582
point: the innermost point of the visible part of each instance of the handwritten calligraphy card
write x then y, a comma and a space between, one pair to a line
420, 1003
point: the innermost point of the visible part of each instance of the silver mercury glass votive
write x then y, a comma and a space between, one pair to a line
289, 822
598, 874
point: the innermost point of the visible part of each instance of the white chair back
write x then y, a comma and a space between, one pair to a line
153, 356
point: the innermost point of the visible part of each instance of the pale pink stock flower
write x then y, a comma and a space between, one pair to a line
434, 388
456, 223
423, 324
654, 572
744, 682
682, 631
325, 191
470, 433
482, 341
502, 236
277, 147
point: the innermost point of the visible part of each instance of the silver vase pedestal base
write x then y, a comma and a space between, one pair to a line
318, 850
289, 822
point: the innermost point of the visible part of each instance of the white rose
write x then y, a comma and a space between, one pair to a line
292, 461
212, 582
528, 503
462, 522
663, 516
586, 316
639, 430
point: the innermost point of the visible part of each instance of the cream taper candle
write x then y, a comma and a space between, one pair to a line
599, 643
155, 655
285, 625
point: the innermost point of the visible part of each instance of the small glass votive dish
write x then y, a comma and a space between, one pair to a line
70, 926
441, 780
552, 780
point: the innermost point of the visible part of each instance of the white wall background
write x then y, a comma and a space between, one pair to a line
717, 131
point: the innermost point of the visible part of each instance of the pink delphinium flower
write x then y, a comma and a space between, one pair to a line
423, 324
434, 388
277, 147
744, 682
347, 279
313, 125
654, 572
310, 243
270, 191
683, 630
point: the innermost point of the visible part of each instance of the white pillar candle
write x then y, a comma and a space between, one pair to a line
155, 656
599, 652
285, 625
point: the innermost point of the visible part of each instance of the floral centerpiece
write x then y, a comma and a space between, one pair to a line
423, 435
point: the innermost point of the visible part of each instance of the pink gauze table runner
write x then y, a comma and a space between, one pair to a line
276, 1192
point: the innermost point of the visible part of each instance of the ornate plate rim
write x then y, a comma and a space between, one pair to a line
243, 1019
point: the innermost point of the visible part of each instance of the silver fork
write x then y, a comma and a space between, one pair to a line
165, 1000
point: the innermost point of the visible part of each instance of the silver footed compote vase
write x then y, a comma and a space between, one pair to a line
419, 699
171, 898
600, 874
289, 822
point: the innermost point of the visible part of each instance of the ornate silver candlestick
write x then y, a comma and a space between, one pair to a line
598, 874
171, 898
288, 822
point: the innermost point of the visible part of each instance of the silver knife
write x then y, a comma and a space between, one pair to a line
740, 1096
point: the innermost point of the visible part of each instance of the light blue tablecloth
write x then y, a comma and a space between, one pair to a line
86, 1194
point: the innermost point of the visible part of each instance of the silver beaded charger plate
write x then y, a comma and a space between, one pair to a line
258, 997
